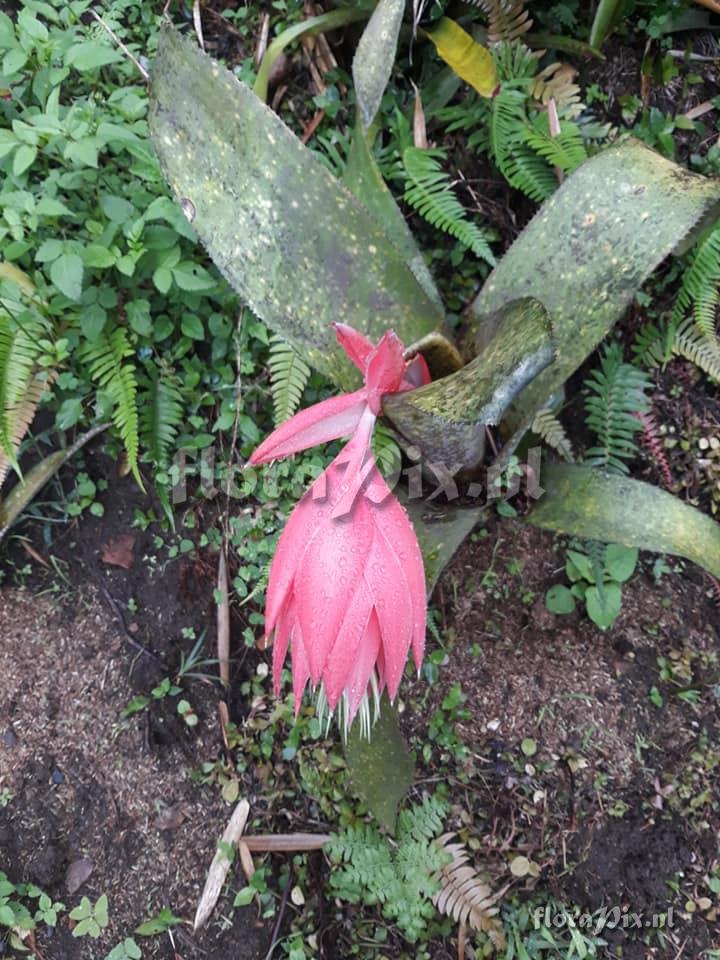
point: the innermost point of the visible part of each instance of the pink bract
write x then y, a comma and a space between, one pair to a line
346, 591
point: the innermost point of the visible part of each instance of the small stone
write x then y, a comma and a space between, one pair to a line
77, 873
57, 776
8, 739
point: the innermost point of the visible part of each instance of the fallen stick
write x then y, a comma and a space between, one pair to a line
220, 864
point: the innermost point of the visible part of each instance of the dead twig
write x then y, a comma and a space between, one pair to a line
223, 621
118, 42
285, 842
281, 912
221, 864
197, 23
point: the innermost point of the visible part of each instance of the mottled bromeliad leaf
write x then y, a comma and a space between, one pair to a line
363, 178
33, 482
587, 252
589, 503
375, 56
472, 62
440, 531
381, 768
447, 418
296, 245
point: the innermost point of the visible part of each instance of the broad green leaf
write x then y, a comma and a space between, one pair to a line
472, 62
363, 178
296, 245
375, 56
447, 418
559, 599
24, 158
440, 531
620, 561
588, 251
91, 55
92, 321
586, 502
67, 274
381, 769
603, 605
606, 17
24, 491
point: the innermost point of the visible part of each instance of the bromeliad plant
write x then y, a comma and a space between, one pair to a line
305, 250
347, 583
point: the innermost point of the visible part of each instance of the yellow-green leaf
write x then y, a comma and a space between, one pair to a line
472, 62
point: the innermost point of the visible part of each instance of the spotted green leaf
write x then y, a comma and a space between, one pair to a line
381, 768
296, 245
375, 56
588, 251
447, 418
588, 503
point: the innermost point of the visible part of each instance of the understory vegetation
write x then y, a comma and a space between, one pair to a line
135, 383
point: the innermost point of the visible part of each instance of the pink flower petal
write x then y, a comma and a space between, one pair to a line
367, 655
298, 531
328, 572
355, 344
300, 668
344, 653
395, 527
325, 421
283, 632
393, 605
385, 369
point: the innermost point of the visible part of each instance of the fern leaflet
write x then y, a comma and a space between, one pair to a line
19, 351
106, 358
507, 19
700, 287
161, 413
566, 150
289, 375
616, 393
515, 158
547, 426
701, 348
428, 190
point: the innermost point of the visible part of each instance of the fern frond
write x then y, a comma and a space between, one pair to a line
616, 394
547, 426
423, 821
653, 443
555, 82
19, 351
22, 416
507, 19
428, 190
289, 375
515, 61
700, 286
566, 150
702, 349
106, 359
464, 896
387, 453
362, 861
653, 345
515, 159
161, 413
